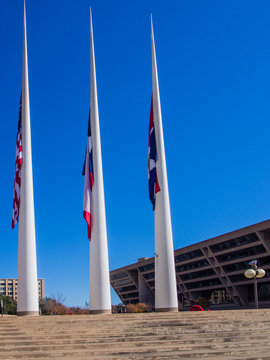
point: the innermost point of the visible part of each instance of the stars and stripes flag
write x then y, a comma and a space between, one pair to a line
88, 173
18, 165
152, 158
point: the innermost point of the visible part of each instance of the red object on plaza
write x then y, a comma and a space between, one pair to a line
196, 308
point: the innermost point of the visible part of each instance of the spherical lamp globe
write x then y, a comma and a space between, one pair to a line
260, 273
250, 273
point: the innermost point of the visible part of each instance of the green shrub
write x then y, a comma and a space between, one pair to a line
10, 305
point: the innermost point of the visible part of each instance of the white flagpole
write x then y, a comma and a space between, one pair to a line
27, 266
165, 278
100, 296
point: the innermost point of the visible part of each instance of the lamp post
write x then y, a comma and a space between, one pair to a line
254, 273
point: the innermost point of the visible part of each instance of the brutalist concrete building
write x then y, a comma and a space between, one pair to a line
213, 269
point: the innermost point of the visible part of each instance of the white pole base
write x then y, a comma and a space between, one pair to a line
95, 312
28, 313
167, 310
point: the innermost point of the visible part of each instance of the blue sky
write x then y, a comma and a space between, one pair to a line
213, 62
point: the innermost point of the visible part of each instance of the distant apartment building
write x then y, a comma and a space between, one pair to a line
9, 287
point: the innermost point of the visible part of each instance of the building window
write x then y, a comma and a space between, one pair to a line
149, 276
242, 240
122, 282
204, 283
127, 288
197, 275
131, 295
118, 276
193, 265
147, 267
220, 297
188, 256
252, 251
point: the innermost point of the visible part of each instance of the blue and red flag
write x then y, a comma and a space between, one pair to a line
18, 166
152, 158
88, 173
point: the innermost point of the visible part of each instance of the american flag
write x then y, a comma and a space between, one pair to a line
88, 173
152, 158
18, 166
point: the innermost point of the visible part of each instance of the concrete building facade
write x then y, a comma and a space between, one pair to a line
213, 269
9, 287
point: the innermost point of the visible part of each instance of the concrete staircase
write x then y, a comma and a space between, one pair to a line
237, 334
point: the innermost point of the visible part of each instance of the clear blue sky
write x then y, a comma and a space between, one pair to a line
213, 61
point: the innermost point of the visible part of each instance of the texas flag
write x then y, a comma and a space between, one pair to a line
88, 173
152, 158
18, 166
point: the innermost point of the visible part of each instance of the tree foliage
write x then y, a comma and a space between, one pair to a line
10, 305
138, 308
52, 306
203, 302
120, 308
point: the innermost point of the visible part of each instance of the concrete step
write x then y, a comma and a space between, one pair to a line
136, 338
149, 353
77, 339
184, 345
219, 335
133, 345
